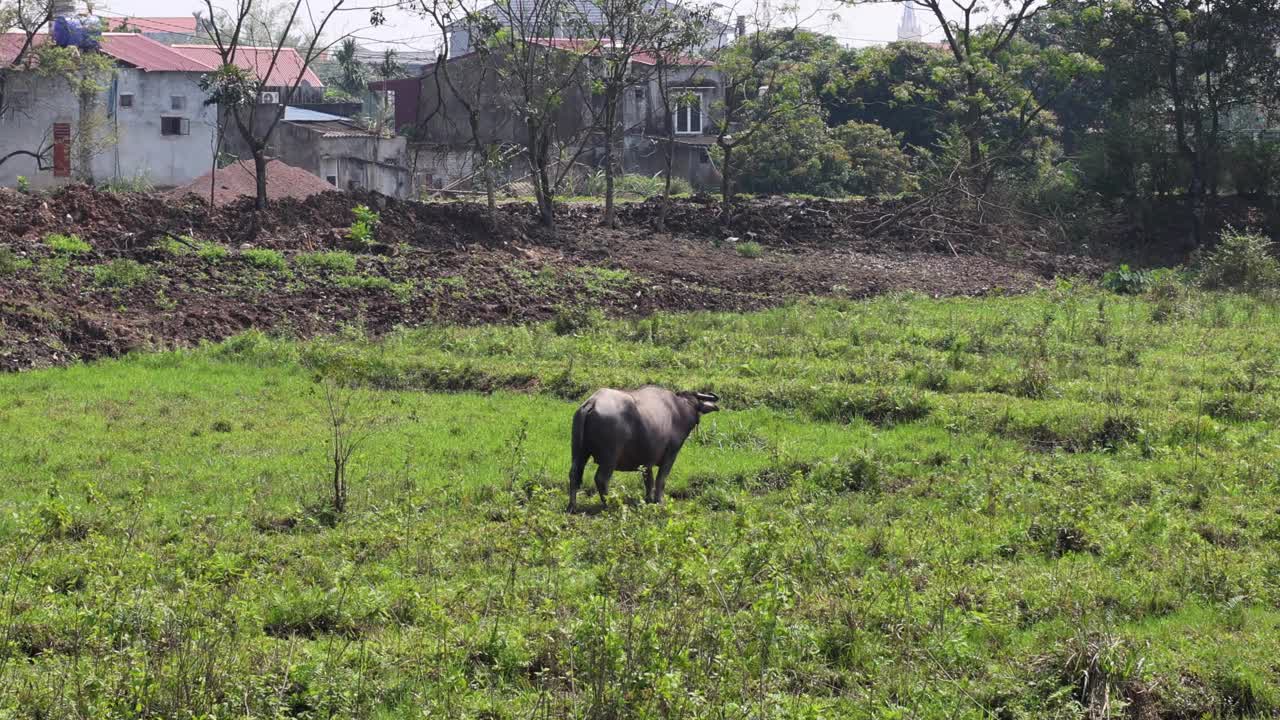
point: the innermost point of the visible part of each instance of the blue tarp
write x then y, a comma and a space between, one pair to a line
81, 32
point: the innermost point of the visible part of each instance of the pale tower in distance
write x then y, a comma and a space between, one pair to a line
909, 29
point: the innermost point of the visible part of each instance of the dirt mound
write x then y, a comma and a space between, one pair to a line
446, 262
239, 180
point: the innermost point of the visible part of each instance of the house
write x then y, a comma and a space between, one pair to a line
277, 74
347, 155
586, 12
148, 122
443, 146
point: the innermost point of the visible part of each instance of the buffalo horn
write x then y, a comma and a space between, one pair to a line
709, 397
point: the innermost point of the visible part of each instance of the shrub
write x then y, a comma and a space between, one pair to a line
572, 319
24, 185
120, 274
68, 245
333, 262
750, 249
1241, 261
361, 231
877, 164
10, 263
264, 259
135, 184
212, 254
1124, 281
1254, 165
635, 185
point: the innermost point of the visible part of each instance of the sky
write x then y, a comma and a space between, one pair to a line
861, 25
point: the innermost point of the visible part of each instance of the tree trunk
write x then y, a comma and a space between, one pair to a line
490, 195
726, 185
665, 207
260, 174
609, 129
1195, 189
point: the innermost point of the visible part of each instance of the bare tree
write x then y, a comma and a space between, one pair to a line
688, 29
621, 32
543, 85
474, 95
29, 17
760, 88
236, 90
350, 422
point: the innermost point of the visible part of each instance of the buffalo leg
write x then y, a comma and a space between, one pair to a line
575, 481
603, 473
648, 484
660, 487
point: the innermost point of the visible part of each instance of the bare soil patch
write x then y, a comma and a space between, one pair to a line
445, 262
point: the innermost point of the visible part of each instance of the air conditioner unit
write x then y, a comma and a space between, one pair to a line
269, 98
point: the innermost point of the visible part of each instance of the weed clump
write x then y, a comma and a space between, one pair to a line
361, 231
67, 245
882, 406
575, 319
212, 253
265, 259
1124, 281
337, 262
120, 274
1242, 261
749, 249
10, 263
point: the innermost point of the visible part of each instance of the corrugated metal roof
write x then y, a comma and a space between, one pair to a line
336, 129
257, 60
146, 54
298, 114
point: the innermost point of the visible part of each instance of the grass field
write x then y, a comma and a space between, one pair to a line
1055, 505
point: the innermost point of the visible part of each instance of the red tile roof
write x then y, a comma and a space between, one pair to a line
131, 48
257, 60
146, 54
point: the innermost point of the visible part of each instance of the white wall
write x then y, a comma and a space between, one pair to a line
130, 144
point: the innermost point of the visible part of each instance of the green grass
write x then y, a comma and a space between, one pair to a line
265, 259
402, 291
120, 274
67, 245
750, 249
212, 253
337, 262
907, 508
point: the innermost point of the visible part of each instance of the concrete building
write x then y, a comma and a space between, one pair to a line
149, 121
346, 155
442, 151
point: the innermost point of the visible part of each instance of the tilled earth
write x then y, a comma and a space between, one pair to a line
446, 262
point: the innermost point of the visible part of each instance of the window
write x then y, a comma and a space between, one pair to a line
175, 126
17, 101
126, 101
333, 180
639, 94
178, 102
688, 113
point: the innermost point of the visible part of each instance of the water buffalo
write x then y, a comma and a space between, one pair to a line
632, 430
